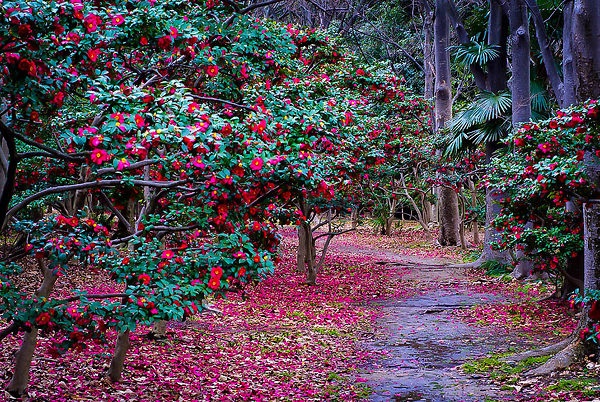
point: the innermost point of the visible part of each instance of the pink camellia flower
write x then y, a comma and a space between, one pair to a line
123, 164
239, 254
256, 164
197, 161
167, 254
99, 156
118, 19
96, 140
91, 22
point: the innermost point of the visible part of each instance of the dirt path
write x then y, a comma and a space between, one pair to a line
420, 345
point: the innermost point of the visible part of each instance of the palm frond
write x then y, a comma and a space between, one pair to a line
539, 98
486, 107
475, 53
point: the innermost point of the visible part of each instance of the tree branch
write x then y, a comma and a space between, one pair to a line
217, 100
464, 38
547, 56
89, 185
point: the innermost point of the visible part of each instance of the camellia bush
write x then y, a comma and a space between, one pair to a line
545, 184
542, 172
155, 145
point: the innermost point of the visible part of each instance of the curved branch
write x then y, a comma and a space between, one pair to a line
160, 230
89, 185
246, 10
78, 157
11, 329
132, 166
217, 100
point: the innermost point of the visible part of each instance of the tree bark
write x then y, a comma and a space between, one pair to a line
448, 199
428, 56
24, 356
586, 52
569, 93
118, 360
521, 93
547, 56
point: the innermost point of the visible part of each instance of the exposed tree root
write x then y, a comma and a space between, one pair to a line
566, 352
470, 265
561, 360
548, 350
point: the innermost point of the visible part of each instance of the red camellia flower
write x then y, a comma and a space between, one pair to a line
256, 164
42, 319
164, 43
212, 71
214, 283
25, 31
93, 54
259, 127
27, 66
99, 156
144, 279
519, 142
216, 272
58, 99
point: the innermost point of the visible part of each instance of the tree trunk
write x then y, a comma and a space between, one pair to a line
521, 93
491, 234
428, 57
448, 199
354, 216
309, 255
475, 227
118, 360
586, 49
302, 247
24, 356
520, 81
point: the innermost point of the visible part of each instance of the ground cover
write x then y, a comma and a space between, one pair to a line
284, 340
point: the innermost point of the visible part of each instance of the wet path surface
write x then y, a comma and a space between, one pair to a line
421, 345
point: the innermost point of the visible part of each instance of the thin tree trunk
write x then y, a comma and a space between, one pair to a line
428, 56
568, 63
475, 227
24, 356
302, 247
354, 216
118, 360
521, 93
448, 199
